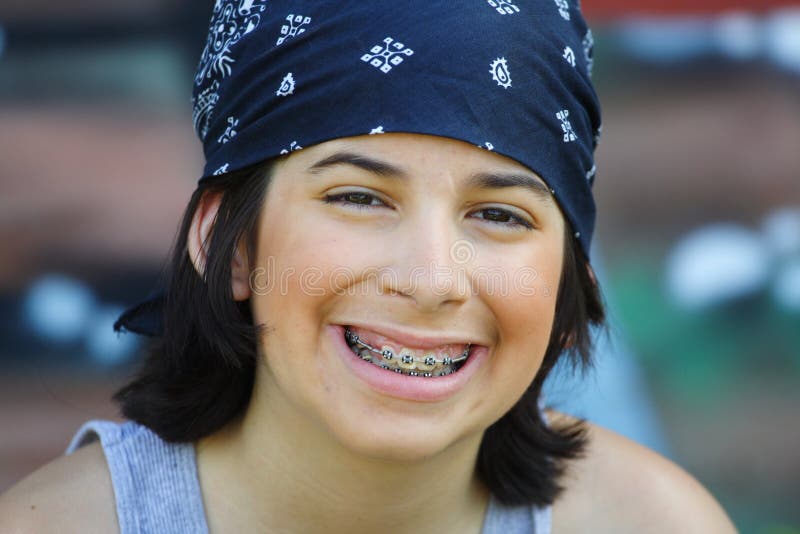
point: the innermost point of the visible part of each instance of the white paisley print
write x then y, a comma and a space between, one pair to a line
499, 72
222, 169
389, 54
292, 147
203, 108
230, 21
563, 8
504, 7
569, 55
566, 126
294, 26
230, 131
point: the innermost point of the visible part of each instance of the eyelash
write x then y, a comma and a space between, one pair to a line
340, 198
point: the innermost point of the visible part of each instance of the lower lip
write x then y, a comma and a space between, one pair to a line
416, 388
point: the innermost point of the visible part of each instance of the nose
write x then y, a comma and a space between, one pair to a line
431, 258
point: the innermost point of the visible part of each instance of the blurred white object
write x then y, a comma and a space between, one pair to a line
783, 38
665, 39
738, 35
735, 35
786, 289
781, 228
58, 308
716, 263
105, 346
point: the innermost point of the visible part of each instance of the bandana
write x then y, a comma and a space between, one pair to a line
508, 76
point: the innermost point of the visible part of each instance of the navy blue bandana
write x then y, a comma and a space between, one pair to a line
509, 76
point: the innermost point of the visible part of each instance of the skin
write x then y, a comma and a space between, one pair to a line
318, 450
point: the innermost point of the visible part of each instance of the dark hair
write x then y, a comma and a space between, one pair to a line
198, 375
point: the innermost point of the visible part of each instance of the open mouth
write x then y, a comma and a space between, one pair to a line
427, 364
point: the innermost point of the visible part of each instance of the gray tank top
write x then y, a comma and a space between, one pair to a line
157, 490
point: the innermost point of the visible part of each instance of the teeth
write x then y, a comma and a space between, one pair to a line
406, 360
430, 363
427, 362
398, 367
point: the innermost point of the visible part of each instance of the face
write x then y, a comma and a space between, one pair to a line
424, 241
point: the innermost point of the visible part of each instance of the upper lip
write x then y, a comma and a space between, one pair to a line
417, 340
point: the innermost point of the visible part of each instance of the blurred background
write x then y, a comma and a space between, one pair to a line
698, 240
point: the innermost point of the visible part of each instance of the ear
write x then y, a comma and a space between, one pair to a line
199, 238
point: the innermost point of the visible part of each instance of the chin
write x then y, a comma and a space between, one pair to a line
396, 441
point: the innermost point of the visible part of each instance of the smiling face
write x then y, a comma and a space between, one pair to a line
415, 242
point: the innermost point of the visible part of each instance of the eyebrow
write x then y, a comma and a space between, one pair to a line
366, 163
481, 180
492, 180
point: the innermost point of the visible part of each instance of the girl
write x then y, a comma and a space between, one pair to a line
385, 257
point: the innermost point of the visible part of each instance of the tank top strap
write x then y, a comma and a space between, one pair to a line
156, 488
502, 519
542, 520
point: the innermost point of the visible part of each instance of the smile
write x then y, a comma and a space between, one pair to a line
441, 361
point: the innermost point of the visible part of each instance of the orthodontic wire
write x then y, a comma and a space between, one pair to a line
388, 354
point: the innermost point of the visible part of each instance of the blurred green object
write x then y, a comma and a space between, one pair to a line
712, 371
779, 529
701, 354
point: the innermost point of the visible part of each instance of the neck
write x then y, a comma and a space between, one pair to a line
276, 471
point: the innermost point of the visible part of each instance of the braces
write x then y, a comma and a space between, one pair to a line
405, 358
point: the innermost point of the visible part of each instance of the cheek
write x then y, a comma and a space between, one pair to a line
282, 299
526, 325
525, 317
302, 267
293, 253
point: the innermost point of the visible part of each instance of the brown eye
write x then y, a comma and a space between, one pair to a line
357, 199
504, 217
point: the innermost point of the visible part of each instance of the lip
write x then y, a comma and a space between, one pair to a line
418, 341
400, 386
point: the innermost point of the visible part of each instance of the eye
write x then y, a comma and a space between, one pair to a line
505, 218
356, 199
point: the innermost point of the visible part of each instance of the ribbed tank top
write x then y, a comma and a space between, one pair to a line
157, 490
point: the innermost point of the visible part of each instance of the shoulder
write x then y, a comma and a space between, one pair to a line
70, 494
621, 486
